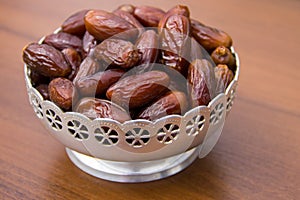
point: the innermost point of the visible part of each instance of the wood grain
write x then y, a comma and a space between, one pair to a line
257, 156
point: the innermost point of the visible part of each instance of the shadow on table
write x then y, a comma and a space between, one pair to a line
202, 179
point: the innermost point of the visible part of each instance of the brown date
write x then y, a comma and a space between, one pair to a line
117, 52
127, 8
147, 46
45, 60
210, 38
98, 83
148, 16
130, 18
61, 92
43, 90
75, 23
74, 60
222, 55
176, 10
99, 108
138, 90
223, 77
89, 42
201, 82
37, 79
172, 103
88, 67
102, 25
176, 43
63, 40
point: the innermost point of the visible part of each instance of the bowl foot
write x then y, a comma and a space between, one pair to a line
133, 172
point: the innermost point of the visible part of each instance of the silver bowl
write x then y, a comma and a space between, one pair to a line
137, 150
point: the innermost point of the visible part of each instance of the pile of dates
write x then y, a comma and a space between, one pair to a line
137, 62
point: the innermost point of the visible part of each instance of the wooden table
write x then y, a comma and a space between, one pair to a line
257, 156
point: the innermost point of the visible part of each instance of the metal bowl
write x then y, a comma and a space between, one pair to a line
137, 150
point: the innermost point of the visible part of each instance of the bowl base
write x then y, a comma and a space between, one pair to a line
133, 172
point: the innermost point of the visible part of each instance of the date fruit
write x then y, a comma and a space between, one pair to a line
99, 108
98, 83
176, 43
75, 23
89, 42
138, 90
117, 52
37, 79
127, 8
148, 16
147, 46
210, 38
63, 40
46, 60
222, 55
174, 102
88, 67
130, 18
74, 60
223, 77
176, 10
61, 91
201, 82
102, 25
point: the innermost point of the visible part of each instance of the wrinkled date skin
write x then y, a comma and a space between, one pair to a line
43, 90
99, 108
223, 77
98, 83
75, 23
89, 42
46, 60
172, 103
117, 52
130, 18
102, 25
138, 90
210, 38
88, 67
63, 40
61, 92
176, 43
148, 16
176, 10
222, 55
74, 60
147, 46
201, 82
